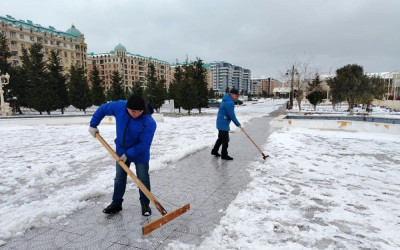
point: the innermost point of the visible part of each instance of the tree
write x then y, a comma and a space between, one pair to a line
137, 88
116, 91
97, 90
38, 89
175, 88
4, 55
57, 84
372, 88
155, 92
315, 92
200, 82
78, 89
188, 90
211, 93
347, 84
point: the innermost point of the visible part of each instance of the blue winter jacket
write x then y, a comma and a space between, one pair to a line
134, 135
226, 113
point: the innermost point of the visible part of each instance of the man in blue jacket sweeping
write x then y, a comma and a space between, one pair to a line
135, 131
226, 114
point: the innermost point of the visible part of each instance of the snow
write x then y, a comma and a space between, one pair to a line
49, 172
318, 189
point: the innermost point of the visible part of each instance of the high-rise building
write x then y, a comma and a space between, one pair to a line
69, 45
131, 67
226, 75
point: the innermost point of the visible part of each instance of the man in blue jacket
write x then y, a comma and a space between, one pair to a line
226, 114
135, 131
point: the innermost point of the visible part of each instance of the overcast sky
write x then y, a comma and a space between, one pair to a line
266, 37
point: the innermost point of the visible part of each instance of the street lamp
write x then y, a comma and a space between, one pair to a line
291, 72
4, 80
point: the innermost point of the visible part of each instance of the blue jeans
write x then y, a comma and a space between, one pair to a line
142, 172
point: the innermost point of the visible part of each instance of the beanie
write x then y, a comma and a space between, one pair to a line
234, 91
135, 102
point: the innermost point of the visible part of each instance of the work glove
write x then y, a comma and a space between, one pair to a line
123, 158
93, 131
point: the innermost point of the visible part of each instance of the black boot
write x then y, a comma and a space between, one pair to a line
215, 153
226, 157
146, 211
112, 209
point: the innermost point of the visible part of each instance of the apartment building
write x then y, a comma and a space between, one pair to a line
231, 76
70, 45
264, 86
132, 67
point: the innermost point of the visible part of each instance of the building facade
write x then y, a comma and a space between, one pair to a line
69, 45
226, 75
264, 86
131, 67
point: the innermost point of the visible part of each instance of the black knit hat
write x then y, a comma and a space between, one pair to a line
234, 91
135, 102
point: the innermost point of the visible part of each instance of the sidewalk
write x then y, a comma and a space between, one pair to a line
208, 183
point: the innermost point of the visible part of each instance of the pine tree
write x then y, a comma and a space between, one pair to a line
97, 90
137, 88
78, 89
175, 88
57, 83
36, 81
200, 82
315, 92
116, 91
155, 92
4, 55
188, 89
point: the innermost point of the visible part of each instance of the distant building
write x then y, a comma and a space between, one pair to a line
131, 67
231, 76
264, 86
69, 45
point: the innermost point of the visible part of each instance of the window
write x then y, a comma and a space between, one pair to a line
22, 46
65, 45
21, 36
32, 38
51, 42
46, 41
12, 34
65, 54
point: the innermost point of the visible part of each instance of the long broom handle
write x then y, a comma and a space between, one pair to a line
140, 184
264, 156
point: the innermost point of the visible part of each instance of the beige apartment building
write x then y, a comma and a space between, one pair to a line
132, 67
70, 45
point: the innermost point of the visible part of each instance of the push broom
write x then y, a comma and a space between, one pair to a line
166, 217
263, 155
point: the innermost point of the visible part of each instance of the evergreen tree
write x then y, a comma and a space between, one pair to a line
78, 89
38, 90
200, 82
137, 88
116, 91
4, 55
175, 88
315, 92
372, 88
57, 84
188, 89
155, 92
97, 90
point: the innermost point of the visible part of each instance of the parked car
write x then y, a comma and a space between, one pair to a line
252, 99
212, 103
238, 102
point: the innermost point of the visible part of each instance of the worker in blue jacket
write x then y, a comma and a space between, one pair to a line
135, 131
226, 114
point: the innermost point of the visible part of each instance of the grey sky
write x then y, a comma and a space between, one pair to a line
266, 37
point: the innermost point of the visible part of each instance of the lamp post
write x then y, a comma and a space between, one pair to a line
291, 72
4, 80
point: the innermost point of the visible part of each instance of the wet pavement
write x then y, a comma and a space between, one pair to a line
208, 183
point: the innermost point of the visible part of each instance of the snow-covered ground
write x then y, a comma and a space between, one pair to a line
319, 189
48, 172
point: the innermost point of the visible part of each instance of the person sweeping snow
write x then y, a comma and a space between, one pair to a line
135, 131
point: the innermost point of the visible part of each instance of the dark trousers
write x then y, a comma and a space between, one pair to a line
223, 139
142, 173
